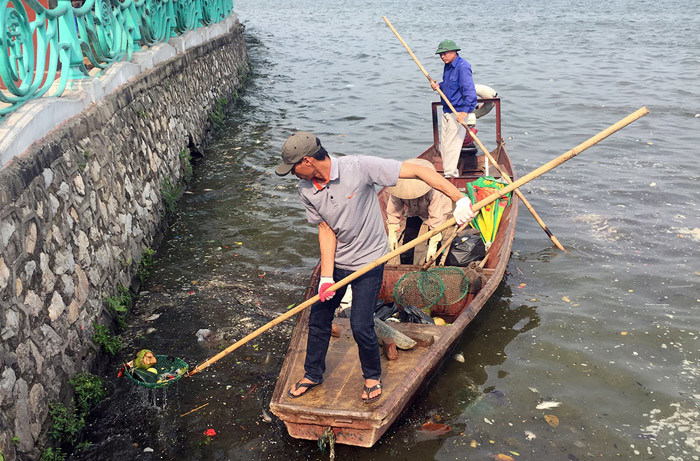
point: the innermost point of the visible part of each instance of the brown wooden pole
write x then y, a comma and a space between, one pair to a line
486, 258
444, 249
450, 222
481, 146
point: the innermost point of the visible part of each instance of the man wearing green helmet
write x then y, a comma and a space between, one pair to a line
458, 86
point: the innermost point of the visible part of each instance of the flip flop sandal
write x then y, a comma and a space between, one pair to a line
369, 390
299, 385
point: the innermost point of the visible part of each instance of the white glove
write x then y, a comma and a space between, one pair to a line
393, 236
323, 285
433, 245
463, 211
471, 119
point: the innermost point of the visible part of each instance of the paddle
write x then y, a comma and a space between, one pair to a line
450, 222
481, 146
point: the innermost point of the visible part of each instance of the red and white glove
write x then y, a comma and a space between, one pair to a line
323, 285
463, 211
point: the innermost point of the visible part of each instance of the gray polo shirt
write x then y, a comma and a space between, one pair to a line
348, 204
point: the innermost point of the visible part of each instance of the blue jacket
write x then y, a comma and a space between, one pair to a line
458, 85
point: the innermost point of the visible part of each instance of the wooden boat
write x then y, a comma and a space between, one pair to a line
336, 404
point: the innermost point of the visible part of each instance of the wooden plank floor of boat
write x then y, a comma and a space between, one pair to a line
341, 391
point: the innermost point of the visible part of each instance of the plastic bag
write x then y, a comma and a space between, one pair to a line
143, 375
383, 311
411, 314
465, 248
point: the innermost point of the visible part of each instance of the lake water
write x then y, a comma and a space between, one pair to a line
608, 330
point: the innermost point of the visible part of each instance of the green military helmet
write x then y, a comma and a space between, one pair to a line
447, 45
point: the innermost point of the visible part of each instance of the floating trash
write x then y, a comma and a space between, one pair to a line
547, 405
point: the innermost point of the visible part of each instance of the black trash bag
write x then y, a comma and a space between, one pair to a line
411, 314
383, 311
465, 248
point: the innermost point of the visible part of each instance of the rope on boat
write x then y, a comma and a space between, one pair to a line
327, 438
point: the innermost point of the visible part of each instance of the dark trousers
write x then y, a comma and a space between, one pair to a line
413, 224
365, 290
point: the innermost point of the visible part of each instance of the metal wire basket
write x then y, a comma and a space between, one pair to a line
425, 289
419, 288
456, 284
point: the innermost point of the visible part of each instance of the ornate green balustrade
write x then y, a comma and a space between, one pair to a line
46, 52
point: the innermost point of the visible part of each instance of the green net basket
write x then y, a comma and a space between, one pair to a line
422, 289
456, 284
170, 370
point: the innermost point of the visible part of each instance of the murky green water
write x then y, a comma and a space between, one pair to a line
608, 331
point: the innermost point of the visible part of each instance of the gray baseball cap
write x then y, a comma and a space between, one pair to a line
296, 147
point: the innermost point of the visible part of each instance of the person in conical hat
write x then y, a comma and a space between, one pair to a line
411, 203
458, 86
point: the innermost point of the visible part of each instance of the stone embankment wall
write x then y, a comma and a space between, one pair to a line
77, 211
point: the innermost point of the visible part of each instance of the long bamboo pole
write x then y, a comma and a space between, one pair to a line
504, 175
450, 222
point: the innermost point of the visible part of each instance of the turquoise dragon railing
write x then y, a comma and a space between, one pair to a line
55, 47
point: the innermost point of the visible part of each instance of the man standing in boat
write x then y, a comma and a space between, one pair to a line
412, 202
340, 198
458, 85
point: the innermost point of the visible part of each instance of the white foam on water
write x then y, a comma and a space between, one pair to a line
599, 227
694, 234
679, 432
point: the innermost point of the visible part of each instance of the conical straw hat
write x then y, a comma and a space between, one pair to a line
408, 189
